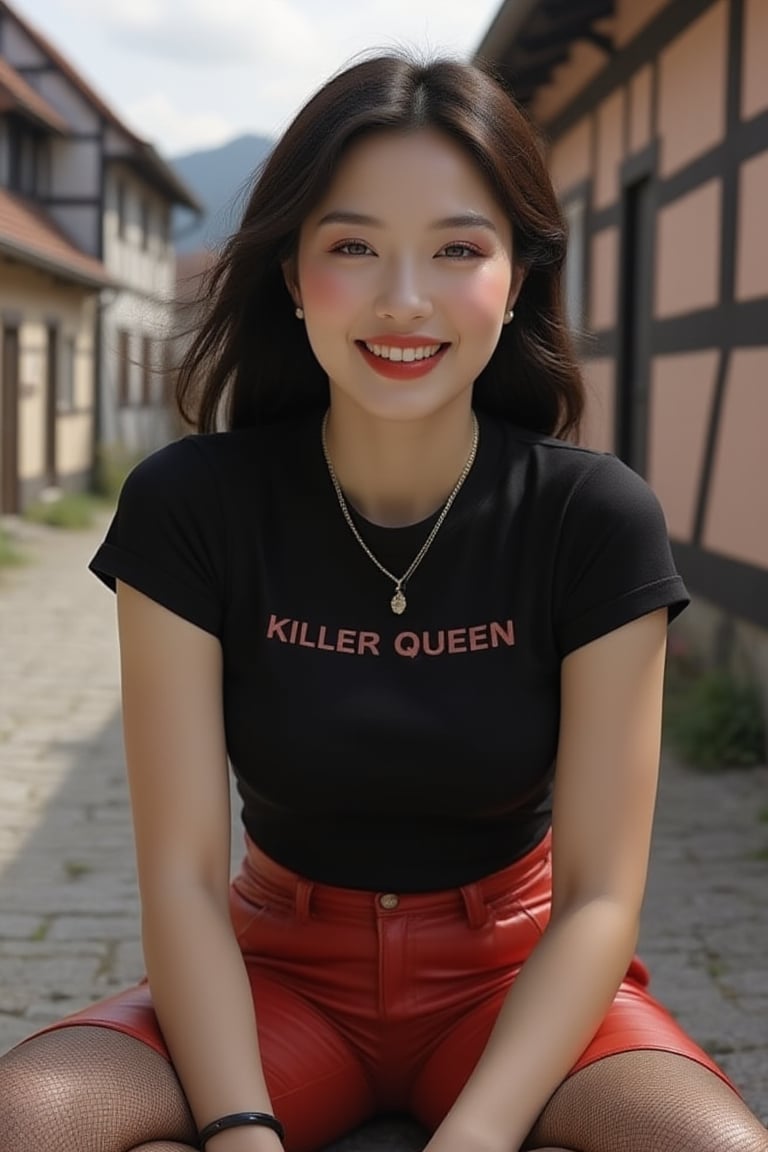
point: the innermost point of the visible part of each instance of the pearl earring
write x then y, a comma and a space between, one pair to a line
299, 313
509, 316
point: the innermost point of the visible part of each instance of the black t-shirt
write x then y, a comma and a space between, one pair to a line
405, 753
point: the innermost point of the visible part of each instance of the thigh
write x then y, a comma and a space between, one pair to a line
635, 1022
647, 1101
316, 1081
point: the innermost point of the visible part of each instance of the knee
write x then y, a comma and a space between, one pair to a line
37, 1096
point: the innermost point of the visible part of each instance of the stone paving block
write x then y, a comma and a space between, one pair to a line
44, 949
93, 928
19, 926
749, 1071
59, 975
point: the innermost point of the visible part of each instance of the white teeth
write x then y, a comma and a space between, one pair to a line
407, 355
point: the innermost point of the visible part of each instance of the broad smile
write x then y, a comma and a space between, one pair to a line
406, 355
402, 361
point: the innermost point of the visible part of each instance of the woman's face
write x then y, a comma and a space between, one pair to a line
405, 271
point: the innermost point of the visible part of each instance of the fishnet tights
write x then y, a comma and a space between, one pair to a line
89, 1089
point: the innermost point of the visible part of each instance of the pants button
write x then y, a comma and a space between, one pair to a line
389, 901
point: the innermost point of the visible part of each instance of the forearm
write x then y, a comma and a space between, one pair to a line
202, 998
550, 1014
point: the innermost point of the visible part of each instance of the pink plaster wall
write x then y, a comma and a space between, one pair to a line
610, 149
604, 280
640, 127
688, 252
752, 223
754, 90
737, 517
569, 157
682, 390
597, 427
692, 90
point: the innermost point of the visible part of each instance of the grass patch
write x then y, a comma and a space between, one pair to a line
74, 510
761, 854
714, 720
76, 868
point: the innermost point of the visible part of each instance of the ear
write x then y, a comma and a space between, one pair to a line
291, 280
519, 272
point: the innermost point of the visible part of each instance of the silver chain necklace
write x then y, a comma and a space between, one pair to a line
398, 603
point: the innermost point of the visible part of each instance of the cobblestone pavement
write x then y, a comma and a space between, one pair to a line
68, 901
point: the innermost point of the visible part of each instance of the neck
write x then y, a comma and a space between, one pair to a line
396, 473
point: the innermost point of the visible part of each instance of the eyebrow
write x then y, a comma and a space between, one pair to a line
462, 220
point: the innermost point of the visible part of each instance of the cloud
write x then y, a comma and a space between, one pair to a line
180, 131
212, 32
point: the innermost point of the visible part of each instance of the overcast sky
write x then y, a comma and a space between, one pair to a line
187, 74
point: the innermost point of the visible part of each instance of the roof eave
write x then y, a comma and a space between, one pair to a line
160, 174
26, 255
505, 27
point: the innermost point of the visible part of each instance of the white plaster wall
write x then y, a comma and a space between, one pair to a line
75, 168
32, 374
150, 270
67, 101
39, 299
18, 49
141, 429
80, 223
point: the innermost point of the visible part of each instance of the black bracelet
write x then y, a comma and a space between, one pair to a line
240, 1120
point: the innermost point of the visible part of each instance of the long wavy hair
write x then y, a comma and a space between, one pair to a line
249, 362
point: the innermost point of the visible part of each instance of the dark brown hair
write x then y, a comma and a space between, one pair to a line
251, 361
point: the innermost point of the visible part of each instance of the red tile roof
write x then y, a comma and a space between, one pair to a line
16, 95
28, 235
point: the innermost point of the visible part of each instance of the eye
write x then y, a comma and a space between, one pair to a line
352, 248
459, 250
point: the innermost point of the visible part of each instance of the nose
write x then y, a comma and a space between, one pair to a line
403, 294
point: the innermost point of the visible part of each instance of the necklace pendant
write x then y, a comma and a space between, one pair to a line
398, 603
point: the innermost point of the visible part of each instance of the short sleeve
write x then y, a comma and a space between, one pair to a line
614, 559
166, 538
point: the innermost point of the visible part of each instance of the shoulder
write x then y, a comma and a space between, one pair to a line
576, 479
214, 462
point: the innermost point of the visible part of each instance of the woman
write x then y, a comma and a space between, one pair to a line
418, 620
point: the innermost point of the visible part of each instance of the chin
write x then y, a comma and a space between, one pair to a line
415, 401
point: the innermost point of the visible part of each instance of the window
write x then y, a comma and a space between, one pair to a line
23, 152
65, 392
146, 370
123, 368
122, 209
145, 224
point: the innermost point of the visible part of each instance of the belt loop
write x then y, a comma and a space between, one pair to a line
477, 912
303, 896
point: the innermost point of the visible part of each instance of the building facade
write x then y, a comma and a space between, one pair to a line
79, 170
655, 119
49, 292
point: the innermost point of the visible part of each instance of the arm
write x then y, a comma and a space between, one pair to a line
178, 776
605, 788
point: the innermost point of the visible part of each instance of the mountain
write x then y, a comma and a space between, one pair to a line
220, 178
